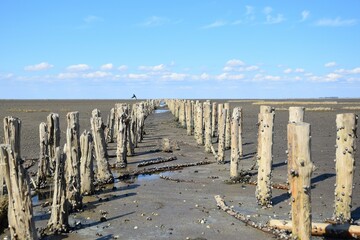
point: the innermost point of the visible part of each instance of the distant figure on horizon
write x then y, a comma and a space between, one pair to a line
134, 96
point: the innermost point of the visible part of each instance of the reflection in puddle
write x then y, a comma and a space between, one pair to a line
161, 110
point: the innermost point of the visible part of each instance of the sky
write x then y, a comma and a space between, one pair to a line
179, 49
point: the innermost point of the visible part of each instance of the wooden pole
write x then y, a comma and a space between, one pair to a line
296, 114
87, 163
73, 192
263, 188
220, 108
121, 151
346, 125
20, 212
214, 119
59, 218
12, 135
321, 229
227, 126
53, 124
182, 113
110, 133
199, 127
207, 118
235, 143
44, 163
221, 130
300, 155
189, 113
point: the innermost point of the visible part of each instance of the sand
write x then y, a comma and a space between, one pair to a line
148, 207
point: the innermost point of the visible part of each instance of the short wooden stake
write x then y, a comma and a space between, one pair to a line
300, 154
199, 126
236, 143
221, 130
214, 119
346, 125
227, 126
44, 163
296, 114
121, 151
12, 135
87, 163
59, 218
189, 118
73, 192
20, 212
53, 125
263, 188
207, 118
220, 108
111, 126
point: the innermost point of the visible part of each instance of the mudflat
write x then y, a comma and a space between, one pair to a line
180, 204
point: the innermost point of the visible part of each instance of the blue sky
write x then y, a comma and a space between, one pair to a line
179, 49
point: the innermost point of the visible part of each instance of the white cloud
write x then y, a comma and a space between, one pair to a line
107, 66
234, 63
330, 64
299, 70
123, 68
304, 15
6, 76
137, 76
92, 19
38, 67
157, 68
351, 71
249, 10
335, 22
174, 76
78, 67
97, 74
333, 77
155, 21
218, 23
227, 76
252, 68
288, 70
261, 77
67, 75
272, 19
204, 76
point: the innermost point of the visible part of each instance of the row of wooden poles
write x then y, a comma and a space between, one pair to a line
206, 120
71, 169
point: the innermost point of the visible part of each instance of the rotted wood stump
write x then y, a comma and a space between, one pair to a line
73, 192
236, 143
44, 161
53, 125
227, 126
12, 135
207, 119
20, 212
87, 163
221, 130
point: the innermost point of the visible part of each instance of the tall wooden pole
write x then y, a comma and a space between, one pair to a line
266, 128
300, 154
346, 125
236, 143
87, 163
221, 130
207, 118
227, 126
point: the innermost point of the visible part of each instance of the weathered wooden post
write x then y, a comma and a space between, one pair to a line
130, 145
53, 125
220, 108
121, 151
296, 114
73, 192
263, 188
59, 218
214, 119
12, 135
236, 143
263, 109
207, 118
227, 126
199, 127
133, 126
87, 163
221, 131
20, 212
346, 125
195, 113
300, 154
111, 125
44, 162
189, 116
141, 122
104, 174
182, 115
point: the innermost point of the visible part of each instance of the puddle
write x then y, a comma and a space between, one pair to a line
161, 110
41, 195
